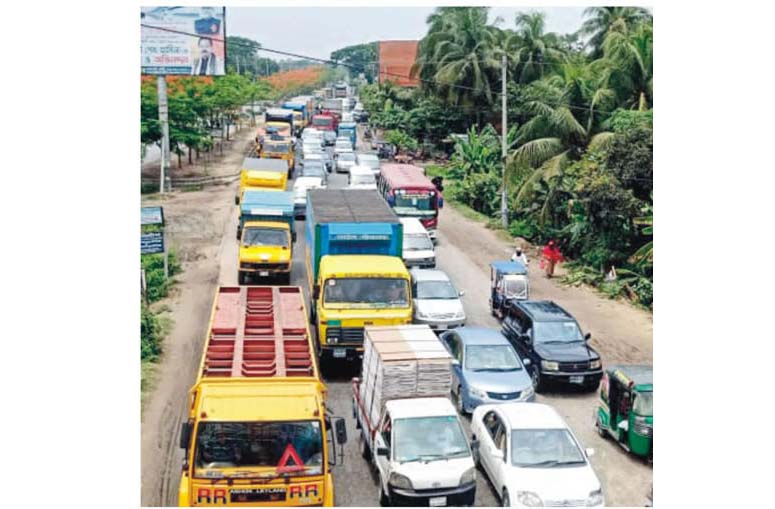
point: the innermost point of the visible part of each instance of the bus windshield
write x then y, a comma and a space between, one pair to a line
229, 445
415, 204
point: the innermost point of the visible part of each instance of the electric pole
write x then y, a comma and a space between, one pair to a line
161, 87
504, 132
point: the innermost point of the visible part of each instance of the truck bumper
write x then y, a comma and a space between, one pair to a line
458, 496
265, 271
341, 352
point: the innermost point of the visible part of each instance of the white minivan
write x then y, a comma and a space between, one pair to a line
361, 177
418, 248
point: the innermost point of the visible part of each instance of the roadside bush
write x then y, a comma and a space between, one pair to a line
526, 229
401, 140
157, 286
150, 334
480, 192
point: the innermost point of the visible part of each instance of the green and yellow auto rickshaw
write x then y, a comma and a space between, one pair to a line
625, 410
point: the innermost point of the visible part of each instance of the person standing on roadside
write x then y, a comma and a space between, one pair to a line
551, 257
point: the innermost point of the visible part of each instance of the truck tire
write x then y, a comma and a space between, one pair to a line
241, 277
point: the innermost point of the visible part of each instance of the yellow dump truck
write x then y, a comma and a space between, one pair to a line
262, 175
281, 148
257, 432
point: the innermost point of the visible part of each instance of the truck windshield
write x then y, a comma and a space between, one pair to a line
544, 448
265, 237
491, 358
643, 404
417, 243
282, 148
371, 292
436, 290
230, 445
557, 332
428, 439
321, 121
515, 286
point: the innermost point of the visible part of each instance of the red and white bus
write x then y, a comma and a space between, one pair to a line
411, 194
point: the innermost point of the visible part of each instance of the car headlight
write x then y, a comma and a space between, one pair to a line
529, 499
550, 365
595, 499
477, 392
400, 481
460, 315
594, 364
468, 476
527, 392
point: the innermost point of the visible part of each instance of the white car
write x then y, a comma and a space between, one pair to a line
436, 300
532, 457
361, 177
418, 249
370, 160
300, 187
344, 161
347, 117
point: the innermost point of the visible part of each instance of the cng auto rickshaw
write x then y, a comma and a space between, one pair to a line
625, 410
508, 283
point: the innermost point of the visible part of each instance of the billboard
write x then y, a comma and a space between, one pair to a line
395, 60
188, 40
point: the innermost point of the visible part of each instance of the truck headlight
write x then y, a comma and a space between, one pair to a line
595, 499
477, 392
468, 476
400, 481
594, 364
332, 340
529, 499
550, 366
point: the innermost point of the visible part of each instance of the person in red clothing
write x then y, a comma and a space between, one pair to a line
552, 256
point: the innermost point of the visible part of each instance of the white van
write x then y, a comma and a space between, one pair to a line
418, 249
361, 177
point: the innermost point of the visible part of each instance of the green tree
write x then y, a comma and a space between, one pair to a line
600, 20
362, 57
242, 54
533, 53
627, 63
630, 159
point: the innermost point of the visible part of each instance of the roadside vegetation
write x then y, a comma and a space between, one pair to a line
580, 140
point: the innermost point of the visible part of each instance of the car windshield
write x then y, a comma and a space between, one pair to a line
428, 439
436, 290
643, 404
491, 358
222, 445
544, 448
347, 156
264, 237
417, 243
313, 169
557, 332
515, 286
322, 122
369, 292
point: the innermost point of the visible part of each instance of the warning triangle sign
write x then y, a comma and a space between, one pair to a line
290, 454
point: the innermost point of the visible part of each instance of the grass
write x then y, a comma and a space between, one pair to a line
148, 372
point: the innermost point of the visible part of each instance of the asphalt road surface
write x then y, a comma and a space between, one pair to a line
625, 479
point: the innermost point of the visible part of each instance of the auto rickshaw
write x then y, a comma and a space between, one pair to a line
625, 410
508, 282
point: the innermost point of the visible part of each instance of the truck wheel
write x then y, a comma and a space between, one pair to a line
241, 277
363, 447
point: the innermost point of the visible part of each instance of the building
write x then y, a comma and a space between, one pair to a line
395, 61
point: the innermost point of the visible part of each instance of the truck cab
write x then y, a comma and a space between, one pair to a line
266, 233
277, 147
352, 291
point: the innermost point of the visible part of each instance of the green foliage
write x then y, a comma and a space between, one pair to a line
623, 120
401, 140
630, 158
480, 192
525, 228
157, 286
150, 334
361, 56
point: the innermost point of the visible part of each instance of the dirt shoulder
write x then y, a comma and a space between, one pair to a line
621, 332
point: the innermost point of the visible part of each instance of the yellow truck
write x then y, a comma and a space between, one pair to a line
262, 175
266, 231
257, 430
279, 148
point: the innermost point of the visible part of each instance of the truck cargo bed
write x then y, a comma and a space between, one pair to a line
350, 206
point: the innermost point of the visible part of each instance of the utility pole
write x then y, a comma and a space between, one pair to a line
161, 87
504, 132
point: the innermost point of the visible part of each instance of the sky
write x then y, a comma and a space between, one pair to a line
318, 31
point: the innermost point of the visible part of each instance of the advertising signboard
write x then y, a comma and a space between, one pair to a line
186, 40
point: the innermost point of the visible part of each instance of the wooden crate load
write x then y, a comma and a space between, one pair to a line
402, 361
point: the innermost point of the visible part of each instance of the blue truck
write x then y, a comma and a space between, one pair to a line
300, 115
349, 129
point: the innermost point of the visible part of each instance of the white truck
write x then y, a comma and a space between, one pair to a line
409, 428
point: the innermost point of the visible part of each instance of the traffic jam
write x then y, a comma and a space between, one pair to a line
438, 402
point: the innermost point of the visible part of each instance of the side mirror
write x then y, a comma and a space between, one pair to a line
587, 336
185, 434
527, 362
236, 200
316, 292
383, 451
340, 428
461, 293
590, 451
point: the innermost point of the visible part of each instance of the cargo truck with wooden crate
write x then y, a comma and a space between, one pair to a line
258, 432
409, 428
354, 266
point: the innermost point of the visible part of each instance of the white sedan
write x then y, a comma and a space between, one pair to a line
532, 458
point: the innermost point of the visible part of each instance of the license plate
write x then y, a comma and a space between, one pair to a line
576, 379
340, 353
437, 501
442, 326
263, 273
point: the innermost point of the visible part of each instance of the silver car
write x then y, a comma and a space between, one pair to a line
344, 161
436, 301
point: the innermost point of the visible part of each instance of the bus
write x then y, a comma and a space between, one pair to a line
411, 194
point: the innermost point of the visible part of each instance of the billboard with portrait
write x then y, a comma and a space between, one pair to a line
183, 40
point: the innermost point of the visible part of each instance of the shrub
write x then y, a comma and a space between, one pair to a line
150, 334
157, 286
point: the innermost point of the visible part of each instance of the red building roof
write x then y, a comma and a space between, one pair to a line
395, 61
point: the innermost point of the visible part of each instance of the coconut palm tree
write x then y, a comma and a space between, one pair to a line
601, 19
531, 49
628, 65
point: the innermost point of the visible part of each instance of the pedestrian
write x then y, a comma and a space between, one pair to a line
551, 257
519, 255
